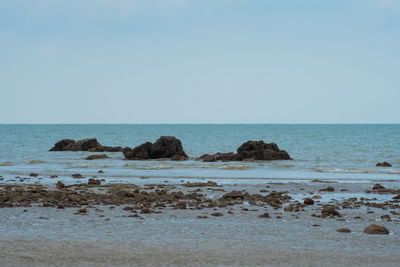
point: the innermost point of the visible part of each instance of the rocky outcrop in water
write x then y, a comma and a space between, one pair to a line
251, 150
167, 147
383, 164
90, 144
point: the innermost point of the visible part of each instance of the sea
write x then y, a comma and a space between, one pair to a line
319, 151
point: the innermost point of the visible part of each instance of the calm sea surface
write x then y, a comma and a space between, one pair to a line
347, 152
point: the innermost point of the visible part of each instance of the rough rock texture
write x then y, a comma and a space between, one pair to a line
376, 229
384, 164
165, 147
90, 144
251, 150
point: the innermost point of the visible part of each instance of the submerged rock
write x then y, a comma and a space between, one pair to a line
343, 230
376, 229
101, 156
383, 164
89, 144
167, 147
251, 150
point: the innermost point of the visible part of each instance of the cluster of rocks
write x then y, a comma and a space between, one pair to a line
251, 150
89, 144
169, 147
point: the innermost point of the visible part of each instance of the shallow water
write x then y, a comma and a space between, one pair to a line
338, 152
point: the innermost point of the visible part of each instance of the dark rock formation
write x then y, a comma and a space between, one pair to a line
90, 144
251, 150
376, 229
384, 164
165, 147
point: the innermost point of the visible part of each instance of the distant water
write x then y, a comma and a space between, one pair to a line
319, 151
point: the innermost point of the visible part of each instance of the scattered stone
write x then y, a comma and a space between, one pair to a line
209, 183
308, 201
329, 211
53, 176
397, 197
234, 195
202, 217
317, 197
383, 164
94, 182
343, 230
378, 187
33, 174
101, 156
386, 217
376, 229
328, 189
43, 218
264, 215
77, 176
60, 185
217, 214
81, 212
100, 171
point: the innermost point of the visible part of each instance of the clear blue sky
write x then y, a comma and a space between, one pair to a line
200, 61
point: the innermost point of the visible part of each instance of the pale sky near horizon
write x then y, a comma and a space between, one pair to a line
205, 61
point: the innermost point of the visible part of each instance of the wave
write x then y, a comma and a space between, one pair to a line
353, 170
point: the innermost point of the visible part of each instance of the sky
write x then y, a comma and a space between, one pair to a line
199, 61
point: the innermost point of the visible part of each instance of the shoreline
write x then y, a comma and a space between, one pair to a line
122, 233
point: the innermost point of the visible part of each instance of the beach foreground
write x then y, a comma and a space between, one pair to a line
200, 223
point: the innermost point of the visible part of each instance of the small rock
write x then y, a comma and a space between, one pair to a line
397, 197
77, 176
328, 189
100, 171
94, 182
234, 195
264, 215
101, 156
289, 208
329, 211
386, 217
53, 176
33, 174
309, 201
217, 214
383, 164
378, 187
343, 230
60, 185
317, 197
376, 229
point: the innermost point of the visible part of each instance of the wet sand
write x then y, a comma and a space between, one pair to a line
122, 232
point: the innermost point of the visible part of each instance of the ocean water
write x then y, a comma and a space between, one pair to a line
340, 152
